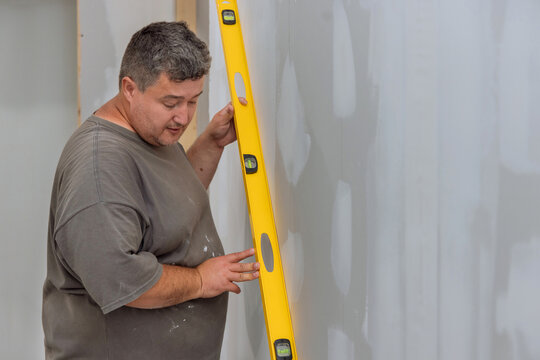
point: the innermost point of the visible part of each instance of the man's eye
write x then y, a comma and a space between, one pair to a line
170, 106
192, 102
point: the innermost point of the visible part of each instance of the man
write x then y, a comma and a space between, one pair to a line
135, 267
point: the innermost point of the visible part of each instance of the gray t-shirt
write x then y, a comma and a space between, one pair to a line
120, 207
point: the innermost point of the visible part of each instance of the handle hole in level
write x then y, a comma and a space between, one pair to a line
267, 252
239, 86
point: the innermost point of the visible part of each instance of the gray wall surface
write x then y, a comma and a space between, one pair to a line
38, 112
401, 140
106, 28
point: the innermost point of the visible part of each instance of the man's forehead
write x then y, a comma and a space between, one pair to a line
178, 97
178, 89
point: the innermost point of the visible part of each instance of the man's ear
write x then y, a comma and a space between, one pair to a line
128, 88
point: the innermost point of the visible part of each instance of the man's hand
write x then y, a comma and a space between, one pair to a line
221, 128
219, 274
211, 278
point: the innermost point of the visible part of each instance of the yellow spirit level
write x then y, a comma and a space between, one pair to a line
263, 229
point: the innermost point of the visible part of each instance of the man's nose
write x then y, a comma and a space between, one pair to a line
181, 115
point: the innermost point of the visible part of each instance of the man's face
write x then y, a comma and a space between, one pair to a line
162, 112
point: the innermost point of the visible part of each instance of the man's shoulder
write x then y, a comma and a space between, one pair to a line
97, 142
97, 165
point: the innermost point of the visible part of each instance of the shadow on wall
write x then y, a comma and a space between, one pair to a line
255, 323
517, 320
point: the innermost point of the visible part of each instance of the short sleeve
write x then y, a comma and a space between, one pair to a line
100, 246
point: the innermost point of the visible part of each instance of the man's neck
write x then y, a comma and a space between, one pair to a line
115, 111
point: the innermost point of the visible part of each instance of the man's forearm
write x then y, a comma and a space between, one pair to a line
204, 157
205, 153
176, 285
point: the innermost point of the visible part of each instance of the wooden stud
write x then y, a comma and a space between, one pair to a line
187, 10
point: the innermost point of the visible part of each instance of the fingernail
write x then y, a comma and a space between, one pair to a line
256, 274
257, 266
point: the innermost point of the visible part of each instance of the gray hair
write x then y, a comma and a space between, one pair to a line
168, 47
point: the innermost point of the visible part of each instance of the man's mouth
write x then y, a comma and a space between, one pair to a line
174, 129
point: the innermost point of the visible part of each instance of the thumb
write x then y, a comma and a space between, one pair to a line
224, 115
235, 289
227, 110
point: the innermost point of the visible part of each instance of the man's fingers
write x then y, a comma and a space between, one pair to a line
247, 276
239, 256
244, 267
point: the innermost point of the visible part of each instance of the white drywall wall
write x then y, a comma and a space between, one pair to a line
106, 28
401, 140
38, 112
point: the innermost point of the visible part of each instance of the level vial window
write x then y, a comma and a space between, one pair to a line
283, 350
228, 17
250, 163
